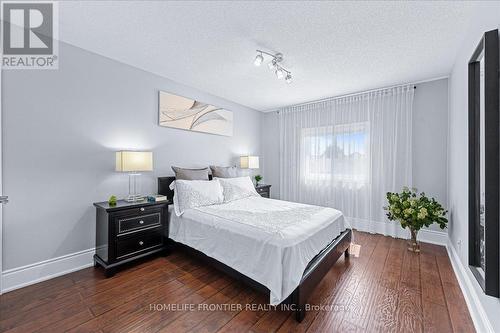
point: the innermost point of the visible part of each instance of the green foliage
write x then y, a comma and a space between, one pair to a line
258, 178
112, 200
415, 210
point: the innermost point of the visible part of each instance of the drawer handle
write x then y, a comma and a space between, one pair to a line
141, 243
141, 222
142, 209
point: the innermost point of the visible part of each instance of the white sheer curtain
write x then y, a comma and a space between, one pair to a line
347, 152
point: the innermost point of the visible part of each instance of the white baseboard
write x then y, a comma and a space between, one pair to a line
44, 270
433, 237
476, 310
395, 230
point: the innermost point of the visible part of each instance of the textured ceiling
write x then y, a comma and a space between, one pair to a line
332, 48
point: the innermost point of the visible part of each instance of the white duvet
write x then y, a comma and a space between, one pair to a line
270, 241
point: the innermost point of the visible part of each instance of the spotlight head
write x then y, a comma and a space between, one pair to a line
279, 73
258, 60
272, 65
288, 78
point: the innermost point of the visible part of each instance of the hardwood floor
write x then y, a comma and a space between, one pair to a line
386, 289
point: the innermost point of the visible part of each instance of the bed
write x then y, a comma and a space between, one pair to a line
264, 242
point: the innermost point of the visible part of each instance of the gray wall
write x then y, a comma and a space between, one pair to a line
60, 131
270, 151
487, 19
430, 130
430, 136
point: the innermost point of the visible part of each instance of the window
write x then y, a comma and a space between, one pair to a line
336, 154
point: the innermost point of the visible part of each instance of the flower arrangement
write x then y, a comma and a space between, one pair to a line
414, 211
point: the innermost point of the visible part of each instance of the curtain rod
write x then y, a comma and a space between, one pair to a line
346, 95
414, 83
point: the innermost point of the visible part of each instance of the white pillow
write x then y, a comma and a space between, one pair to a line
196, 193
237, 188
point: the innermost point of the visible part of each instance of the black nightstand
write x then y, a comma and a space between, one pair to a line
129, 231
264, 190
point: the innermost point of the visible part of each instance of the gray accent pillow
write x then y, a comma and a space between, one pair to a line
191, 174
225, 172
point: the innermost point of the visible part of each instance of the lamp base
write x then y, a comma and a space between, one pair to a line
133, 196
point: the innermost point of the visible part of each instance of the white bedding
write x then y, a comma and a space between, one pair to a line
270, 241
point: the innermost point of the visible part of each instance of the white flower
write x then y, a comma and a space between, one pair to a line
422, 214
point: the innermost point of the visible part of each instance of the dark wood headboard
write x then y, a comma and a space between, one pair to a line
164, 183
163, 187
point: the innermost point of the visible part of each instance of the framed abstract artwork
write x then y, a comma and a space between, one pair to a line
188, 114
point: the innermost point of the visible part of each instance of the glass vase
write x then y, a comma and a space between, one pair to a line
413, 244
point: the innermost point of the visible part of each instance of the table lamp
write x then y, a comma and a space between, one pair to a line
134, 162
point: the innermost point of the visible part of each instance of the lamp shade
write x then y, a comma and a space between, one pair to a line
249, 162
129, 161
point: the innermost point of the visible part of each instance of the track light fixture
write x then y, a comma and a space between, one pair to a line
274, 65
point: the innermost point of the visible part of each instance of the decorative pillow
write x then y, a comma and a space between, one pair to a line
225, 172
191, 174
237, 188
196, 193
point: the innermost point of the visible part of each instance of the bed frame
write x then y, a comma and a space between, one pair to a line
314, 272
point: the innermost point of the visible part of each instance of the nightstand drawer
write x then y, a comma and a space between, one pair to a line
137, 211
264, 194
130, 224
139, 242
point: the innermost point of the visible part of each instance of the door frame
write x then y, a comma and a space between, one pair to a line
1, 183
490, 280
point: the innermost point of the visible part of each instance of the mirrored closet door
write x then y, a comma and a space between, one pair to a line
484, 147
